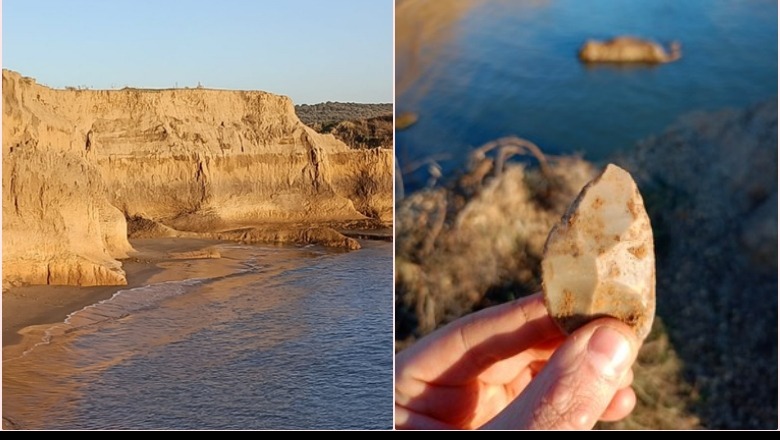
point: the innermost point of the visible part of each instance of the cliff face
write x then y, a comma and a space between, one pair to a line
77, 162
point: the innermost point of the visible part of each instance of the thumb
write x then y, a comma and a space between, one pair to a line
578, 382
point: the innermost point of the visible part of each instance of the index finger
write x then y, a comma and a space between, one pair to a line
460, 351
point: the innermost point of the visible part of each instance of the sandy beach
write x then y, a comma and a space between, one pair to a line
156, 260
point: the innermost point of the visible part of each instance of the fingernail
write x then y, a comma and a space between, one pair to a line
609, 352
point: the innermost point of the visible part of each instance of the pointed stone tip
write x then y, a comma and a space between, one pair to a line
613, 169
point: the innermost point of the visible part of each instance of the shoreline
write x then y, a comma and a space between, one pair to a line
39, 305
156, 260
236, 289
27, 306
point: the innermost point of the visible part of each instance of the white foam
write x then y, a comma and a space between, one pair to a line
121, 304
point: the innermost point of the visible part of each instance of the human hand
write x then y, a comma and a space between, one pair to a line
510, 367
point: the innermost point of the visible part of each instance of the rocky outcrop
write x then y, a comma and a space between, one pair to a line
76, 163
628, 50
58, 226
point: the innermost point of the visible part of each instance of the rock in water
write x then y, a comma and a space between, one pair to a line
599, 260
628, 50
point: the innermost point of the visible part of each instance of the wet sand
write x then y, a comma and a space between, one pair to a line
156, 260
29, 310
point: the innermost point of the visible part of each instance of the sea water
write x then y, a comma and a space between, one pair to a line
292, 338
510, 68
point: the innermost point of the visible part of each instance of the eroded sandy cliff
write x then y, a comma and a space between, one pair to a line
77, 163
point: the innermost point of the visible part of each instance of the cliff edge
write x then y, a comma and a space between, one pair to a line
191, 162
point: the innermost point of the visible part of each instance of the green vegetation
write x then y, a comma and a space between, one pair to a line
322, 114
360, 126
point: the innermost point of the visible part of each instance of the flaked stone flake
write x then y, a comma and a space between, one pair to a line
599, 259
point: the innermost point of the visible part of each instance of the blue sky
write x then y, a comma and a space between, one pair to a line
309, 50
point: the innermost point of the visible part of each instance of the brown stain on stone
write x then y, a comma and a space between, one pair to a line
633, 208
572, 218
638, 251
632, 320
597, 203
567, 306
611, 302
574, 250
